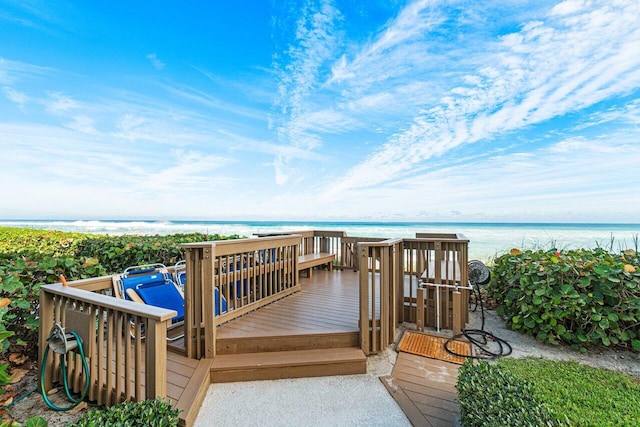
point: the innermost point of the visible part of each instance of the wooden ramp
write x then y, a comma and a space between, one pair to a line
425, 390
187, 384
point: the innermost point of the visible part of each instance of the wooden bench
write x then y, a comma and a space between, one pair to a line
308, 261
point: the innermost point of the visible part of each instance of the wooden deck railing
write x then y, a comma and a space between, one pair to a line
380, 293
121, 367
243, 274
399, 279
432, 260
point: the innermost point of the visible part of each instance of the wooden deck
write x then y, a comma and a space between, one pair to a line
425, 390
313, 332
327, 303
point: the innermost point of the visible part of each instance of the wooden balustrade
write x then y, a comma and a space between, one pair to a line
242, 275
121, 367
380, 295
432, 260
398, 281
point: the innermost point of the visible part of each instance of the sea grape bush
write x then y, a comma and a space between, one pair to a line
45, 242
119, 252
20, 280
580, 297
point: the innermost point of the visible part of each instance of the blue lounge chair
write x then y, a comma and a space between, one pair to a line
180, 273
151, 284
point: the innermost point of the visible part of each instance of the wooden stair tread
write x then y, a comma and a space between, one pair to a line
272, 359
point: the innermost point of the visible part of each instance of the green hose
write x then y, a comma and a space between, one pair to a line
85, 367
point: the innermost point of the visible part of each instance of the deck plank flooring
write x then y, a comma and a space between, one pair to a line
425, 390
328, 302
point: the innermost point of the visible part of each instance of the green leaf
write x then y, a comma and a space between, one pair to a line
36, 422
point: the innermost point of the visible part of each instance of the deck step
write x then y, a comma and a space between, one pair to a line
308, 341
288, 364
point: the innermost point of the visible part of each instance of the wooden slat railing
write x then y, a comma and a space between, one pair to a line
436, 259
380, 293
247, 273
393, 285
117, 362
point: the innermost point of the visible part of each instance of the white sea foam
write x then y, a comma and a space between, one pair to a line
485, 240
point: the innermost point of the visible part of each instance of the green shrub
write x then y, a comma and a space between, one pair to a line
580, 394
18, 241
147, 413
119, 252
5, 378
490, 396
20, 281
581, 297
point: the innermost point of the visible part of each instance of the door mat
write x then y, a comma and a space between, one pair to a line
433, 347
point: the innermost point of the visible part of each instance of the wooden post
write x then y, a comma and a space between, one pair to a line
457, 312
46, 323
207, 301
156, 359
420, 309
364, 301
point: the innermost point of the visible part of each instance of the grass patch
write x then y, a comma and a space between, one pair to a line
583, 395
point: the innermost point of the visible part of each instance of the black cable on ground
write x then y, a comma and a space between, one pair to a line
488, 346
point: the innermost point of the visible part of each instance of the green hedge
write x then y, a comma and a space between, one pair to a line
490, 396
152, 413
581, 297
19, 241
540, 392
119, 252
579, 394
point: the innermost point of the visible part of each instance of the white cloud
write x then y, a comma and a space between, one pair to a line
15, 96
314, 46
83, 124
59, 103
157, 64
12, 71
547, 69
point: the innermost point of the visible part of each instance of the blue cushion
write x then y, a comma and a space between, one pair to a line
216, 302
134, 281
164, 296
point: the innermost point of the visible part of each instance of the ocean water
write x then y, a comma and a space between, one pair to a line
486, 240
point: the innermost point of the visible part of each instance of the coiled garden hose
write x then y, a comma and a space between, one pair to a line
488, 345
75, 401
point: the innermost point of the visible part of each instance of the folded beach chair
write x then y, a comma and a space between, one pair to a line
180, 273
151, 284
180, 276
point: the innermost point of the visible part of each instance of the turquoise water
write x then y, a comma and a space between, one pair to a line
486, 239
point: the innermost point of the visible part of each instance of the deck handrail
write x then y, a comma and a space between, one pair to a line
103, 323
246, 274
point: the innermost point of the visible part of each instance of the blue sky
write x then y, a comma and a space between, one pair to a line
295, 110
